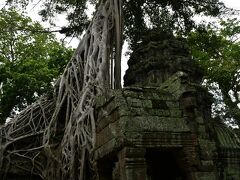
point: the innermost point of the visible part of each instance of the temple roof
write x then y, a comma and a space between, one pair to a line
226, 137
157, 58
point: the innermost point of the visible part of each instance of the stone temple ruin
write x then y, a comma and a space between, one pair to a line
159, 126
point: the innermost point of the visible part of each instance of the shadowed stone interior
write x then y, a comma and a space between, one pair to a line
167, 164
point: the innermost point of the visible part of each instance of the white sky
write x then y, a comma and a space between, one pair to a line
61, 21
232, 3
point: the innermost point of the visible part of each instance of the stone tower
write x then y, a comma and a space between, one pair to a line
159, 126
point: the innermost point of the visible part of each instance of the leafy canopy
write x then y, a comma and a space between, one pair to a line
139, 15
208, 44
217, 49
29, 61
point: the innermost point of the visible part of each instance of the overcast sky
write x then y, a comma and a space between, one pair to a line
60, 21
232, 3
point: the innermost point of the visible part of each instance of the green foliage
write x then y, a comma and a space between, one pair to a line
166, 15
29, 62
217, 49
139, 15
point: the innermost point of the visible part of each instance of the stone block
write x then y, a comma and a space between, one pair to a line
232, 173
102, 113
207, 165
129, 93
172, 104
205, 176
159, 104
104, 136
155, 123
164, 95
147, 104
132, 164
176, 113
100, 101
106, 120
202, 129
138, 112
207, 145
162, 113
124, 111
155, 96
120, 101
199, 120
134, 102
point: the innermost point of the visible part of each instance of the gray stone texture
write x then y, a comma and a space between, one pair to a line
161, 124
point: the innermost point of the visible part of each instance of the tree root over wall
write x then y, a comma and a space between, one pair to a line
54, 138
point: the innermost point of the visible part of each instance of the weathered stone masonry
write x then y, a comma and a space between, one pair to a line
160, 126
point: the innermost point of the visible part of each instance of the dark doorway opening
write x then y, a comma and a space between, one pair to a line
106, 167
165, 164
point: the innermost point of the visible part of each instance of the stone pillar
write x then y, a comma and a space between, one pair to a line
132, 163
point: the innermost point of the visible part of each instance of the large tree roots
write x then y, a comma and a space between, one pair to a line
54, 138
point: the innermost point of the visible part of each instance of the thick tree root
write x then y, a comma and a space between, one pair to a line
54, 138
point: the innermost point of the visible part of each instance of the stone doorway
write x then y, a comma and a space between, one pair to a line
106, 167
165, 165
